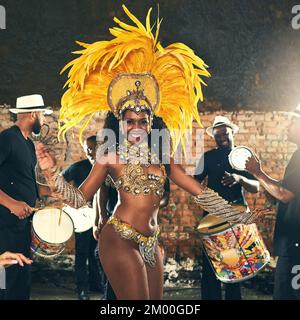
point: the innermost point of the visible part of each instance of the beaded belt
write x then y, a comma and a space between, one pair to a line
147, 245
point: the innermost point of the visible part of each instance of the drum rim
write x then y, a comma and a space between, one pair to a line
45, 255
230, 156
229, 225
51, 243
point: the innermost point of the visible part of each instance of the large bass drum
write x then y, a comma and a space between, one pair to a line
236, 252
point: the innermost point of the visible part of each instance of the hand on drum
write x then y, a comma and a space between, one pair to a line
45, 159
8, 258
20, 209
230, 179
253, 165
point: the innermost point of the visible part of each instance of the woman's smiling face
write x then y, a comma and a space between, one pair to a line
136, 126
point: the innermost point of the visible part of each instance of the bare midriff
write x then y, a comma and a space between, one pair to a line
140, 211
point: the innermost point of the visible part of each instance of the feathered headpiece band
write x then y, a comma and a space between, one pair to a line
176, 70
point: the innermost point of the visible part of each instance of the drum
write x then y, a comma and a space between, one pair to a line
83, 218
51, 229
238, 157
236, 252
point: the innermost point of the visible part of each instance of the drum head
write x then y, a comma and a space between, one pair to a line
83, 218
238, 157
52, 225
212, 224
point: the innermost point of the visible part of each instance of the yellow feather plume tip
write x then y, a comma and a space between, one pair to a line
134, 49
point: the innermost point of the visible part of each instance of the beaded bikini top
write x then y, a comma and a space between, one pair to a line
134, 179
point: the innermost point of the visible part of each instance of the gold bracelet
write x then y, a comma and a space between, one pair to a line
214, 204
211, 202
71, 195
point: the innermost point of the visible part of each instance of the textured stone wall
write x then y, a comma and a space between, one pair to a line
265, 132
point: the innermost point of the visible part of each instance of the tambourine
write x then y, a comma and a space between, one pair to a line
238, 157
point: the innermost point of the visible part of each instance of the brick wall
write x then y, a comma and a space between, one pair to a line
265, 132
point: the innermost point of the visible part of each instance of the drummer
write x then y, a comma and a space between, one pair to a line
85, 244
287, 229
230, 184
19, 190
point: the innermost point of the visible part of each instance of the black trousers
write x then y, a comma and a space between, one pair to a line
287, 278
211, 288
18, 280
86, 278
107, 288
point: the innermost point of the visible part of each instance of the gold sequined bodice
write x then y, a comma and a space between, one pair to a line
136, 181
134, 178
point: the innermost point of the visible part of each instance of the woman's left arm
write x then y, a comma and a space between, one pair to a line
209, 200
184, 181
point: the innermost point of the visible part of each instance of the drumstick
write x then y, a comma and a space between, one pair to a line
60, 214
41, 208
37, 208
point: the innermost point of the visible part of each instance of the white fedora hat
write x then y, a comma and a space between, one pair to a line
32, 103
222, 121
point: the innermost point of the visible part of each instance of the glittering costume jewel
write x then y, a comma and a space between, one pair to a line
147, 245
70, 194
134, 179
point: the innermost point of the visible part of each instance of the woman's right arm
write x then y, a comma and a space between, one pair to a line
94, 180
74, 197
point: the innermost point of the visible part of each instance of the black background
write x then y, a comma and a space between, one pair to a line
251, 48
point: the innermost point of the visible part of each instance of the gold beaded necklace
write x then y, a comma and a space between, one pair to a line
134, 179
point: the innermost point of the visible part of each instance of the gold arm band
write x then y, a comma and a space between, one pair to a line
70, 194
249, 217
211, 202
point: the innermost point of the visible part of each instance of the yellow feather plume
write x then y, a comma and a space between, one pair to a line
134, 49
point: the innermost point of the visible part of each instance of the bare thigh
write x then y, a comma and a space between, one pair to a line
156, 277
123, 265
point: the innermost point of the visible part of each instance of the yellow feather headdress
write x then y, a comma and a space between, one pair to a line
134, 49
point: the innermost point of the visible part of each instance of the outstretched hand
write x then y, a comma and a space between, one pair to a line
230, 179
45, 158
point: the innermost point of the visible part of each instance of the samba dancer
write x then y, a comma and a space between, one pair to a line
229, 183
287, 229
19, 190
147, 87
107, 198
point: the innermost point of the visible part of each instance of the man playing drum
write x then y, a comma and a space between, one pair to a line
287, 230
19, 190
229, 183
